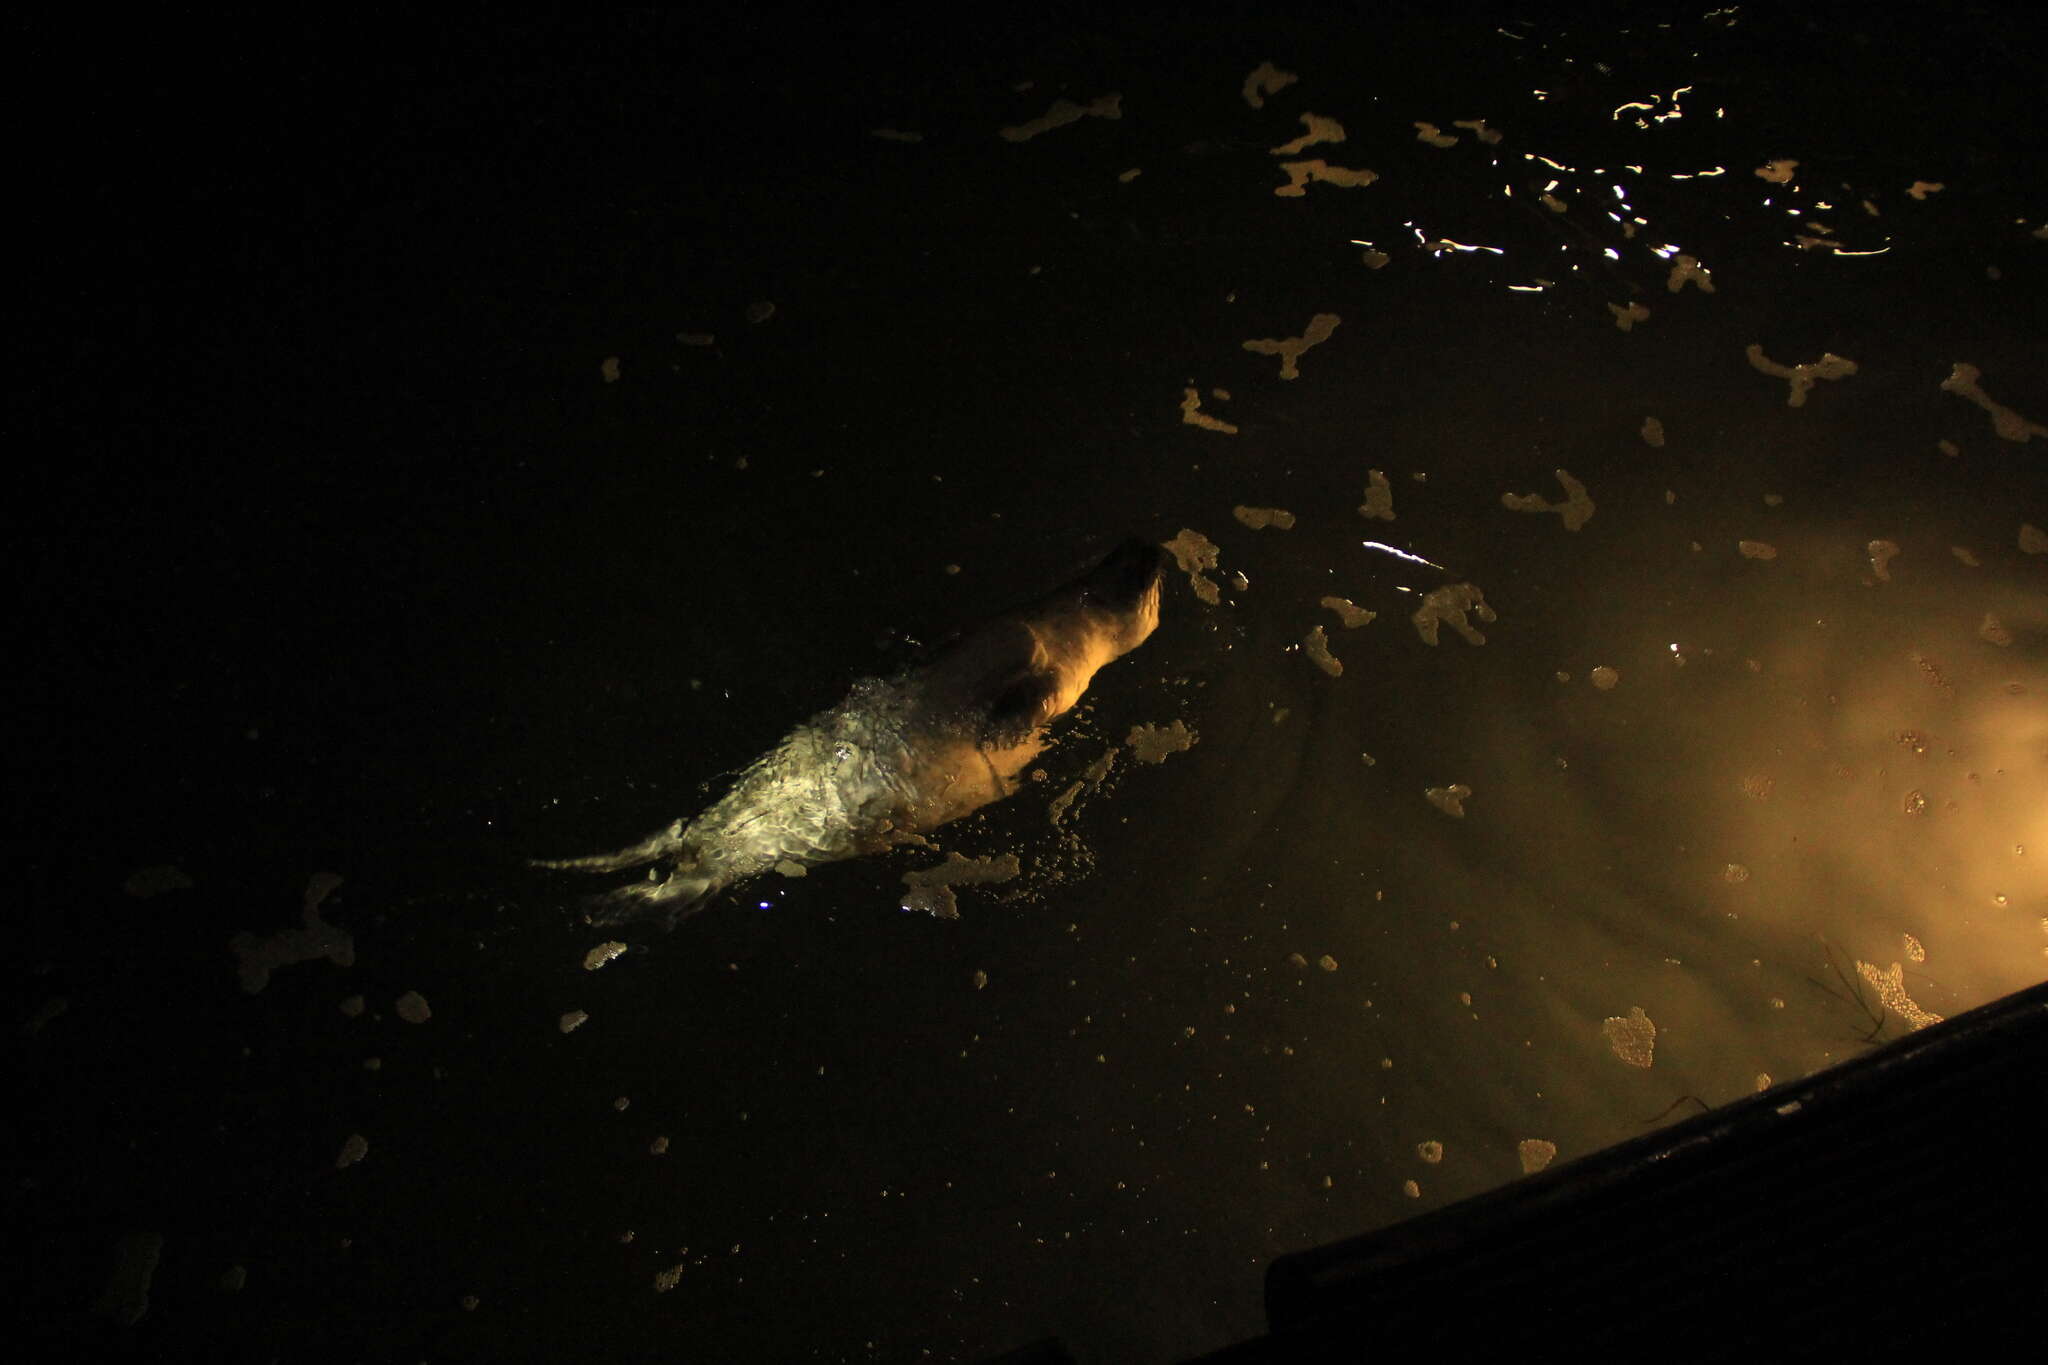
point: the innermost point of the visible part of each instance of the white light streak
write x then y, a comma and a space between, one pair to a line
1400, 554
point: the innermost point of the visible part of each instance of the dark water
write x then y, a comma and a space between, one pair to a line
384, 526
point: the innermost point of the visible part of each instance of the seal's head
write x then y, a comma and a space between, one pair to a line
1093, 620
1121, 594
1028, 666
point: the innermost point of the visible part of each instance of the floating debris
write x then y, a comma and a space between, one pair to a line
1627, 316
1320, 129
1633, 1038
1801, 377
1317, 646
1193, 552
1290, 349
1300, 173
1062, 113
1448, 605
603, 953
1685, 269
1890, 985
1266, 79
1259, 518
125, 1298
930, 889
1349, 614
1450, 800
257, 958
1379, 498
1575, 511
1191, 413
1153, 743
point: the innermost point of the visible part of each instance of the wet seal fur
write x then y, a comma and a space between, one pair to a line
900, 756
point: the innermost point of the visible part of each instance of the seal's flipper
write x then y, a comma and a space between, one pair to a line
658, 906
657, 845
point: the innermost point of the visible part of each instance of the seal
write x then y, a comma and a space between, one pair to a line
901, 756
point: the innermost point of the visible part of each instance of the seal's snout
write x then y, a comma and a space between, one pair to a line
1123, 581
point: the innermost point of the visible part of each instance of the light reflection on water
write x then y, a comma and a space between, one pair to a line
1827, 771
1688, 822
1749, 774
